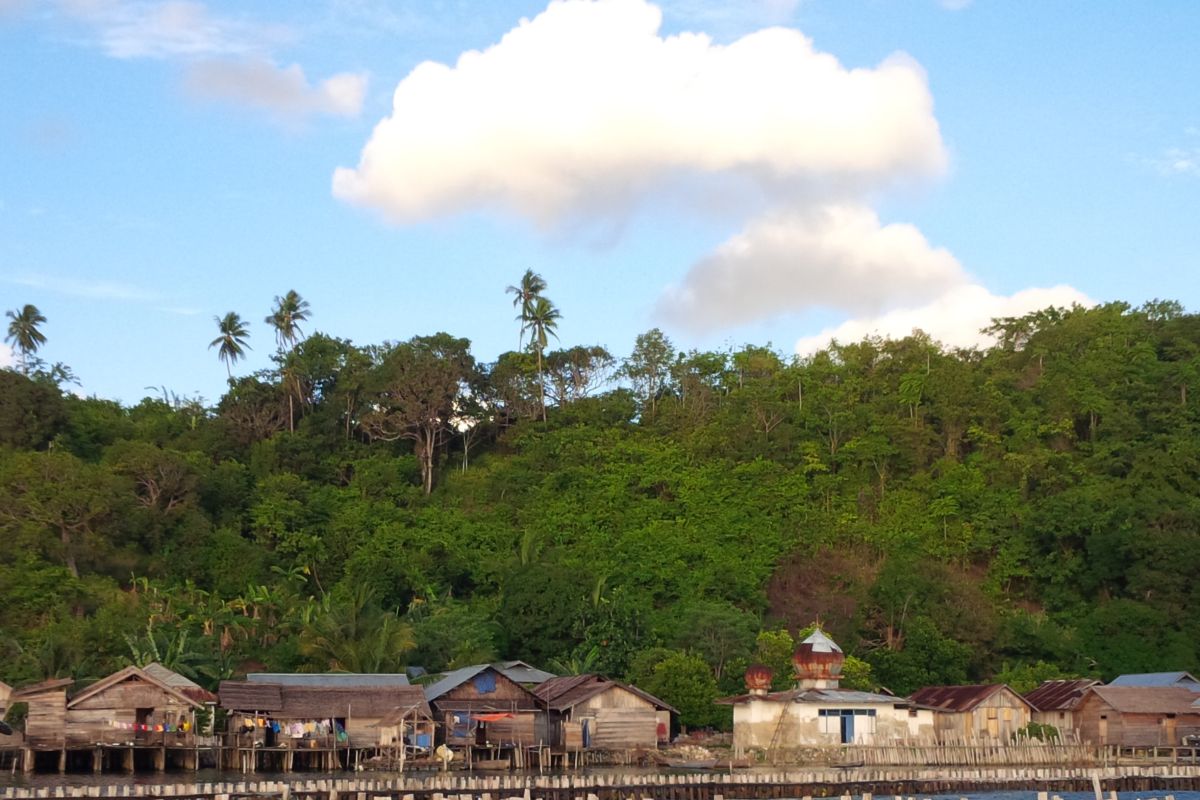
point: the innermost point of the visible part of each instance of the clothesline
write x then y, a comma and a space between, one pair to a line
182, 727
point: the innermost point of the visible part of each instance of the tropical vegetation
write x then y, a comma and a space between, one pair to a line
1027, 510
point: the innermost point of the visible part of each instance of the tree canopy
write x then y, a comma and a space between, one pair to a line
1029, 509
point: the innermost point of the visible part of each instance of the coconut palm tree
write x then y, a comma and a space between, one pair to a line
23, 332
290, 311
529, 289
231, 343
540, 319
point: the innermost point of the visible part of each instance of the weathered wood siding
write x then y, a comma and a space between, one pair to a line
999, 716
1100, 723
99, 718
519, 729
624, 728
619, 720
46, 721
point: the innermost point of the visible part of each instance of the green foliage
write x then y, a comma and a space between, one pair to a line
685, 681
1021, 512
31, 412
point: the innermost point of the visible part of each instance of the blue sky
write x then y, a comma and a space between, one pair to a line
864, 165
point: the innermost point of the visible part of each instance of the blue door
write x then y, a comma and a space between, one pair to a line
847, 728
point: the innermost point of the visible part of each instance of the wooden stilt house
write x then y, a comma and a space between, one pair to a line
481, 706
315, 711
590, 711
142, 706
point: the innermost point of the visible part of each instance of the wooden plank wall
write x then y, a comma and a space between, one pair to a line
519, 729
46, 721
624, 728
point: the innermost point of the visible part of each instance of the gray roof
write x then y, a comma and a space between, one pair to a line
821, 643
1157, 679
169, 677
520, 672
452, 679
331, 680
847, 696
515, 671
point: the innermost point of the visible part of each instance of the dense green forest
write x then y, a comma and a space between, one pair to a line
1026, 511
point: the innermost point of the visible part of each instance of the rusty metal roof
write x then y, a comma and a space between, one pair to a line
1060, 695
571, 690
956, 699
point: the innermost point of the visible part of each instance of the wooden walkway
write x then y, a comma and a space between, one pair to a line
863, 782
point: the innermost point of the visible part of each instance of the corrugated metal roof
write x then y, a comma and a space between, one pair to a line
176, 681
330, 680
821, 643
956, 699
1148, 699
137, 673
243, 696
319, 702
1157, 679
848, 696
453, 679
42, 686
1060, 695
312, 702
570, 690
520, 672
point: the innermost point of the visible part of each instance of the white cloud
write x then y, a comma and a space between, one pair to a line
172, 29
954, 318
587, 109
281, 90
1179, 161
101, 290
838, 257
6, 356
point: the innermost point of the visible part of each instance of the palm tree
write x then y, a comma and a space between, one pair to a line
540, 319
232, 341
524, 294
290, 311
354, 634
23, 332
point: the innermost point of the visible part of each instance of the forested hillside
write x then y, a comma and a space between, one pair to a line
1027, 511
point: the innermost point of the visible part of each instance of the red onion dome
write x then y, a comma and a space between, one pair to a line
818, 658
758, 678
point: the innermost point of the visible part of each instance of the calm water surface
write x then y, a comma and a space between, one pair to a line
212, 775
